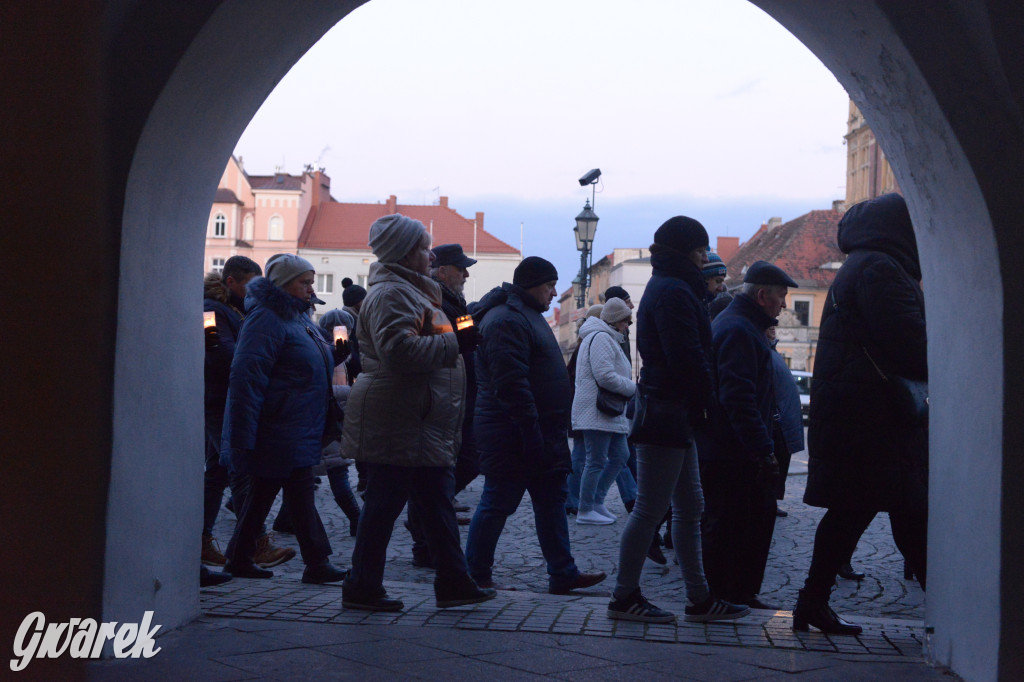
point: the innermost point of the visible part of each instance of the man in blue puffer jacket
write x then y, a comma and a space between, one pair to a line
739, 470
522, 415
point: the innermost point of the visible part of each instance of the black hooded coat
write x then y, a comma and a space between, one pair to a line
863, 454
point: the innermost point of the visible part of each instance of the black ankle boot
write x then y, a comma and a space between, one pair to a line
629, 506
813, 609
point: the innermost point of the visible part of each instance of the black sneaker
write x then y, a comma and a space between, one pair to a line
714, 609
364, 603
635, 607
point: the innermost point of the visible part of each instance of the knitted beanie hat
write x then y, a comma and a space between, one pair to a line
393, 236
615, 310
534, 271
682, 234
715, 266
284, 267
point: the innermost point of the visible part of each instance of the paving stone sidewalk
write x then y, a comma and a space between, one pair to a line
519, 563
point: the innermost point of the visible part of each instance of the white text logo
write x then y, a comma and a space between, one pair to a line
81, 638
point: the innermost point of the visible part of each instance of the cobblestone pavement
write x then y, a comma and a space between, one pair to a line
519, 563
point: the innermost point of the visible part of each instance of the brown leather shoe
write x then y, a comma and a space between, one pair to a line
268, 555
212, 556
582, 581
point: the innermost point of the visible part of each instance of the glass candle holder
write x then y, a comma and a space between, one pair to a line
209, 319
340, 333
464, 322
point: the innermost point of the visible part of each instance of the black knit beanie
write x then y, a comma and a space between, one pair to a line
534, 271
352, 295
682, 234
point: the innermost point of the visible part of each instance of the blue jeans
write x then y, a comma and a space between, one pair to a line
499, 500
666, 475
607, 453
626, 480
579, 458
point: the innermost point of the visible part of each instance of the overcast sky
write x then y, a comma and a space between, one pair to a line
707, 108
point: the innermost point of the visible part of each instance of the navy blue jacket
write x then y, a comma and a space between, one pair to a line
523, 392
673, 335
745, 376
278, 389
217, 365
862, 454
787, 397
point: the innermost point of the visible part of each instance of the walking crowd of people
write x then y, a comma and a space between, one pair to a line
424, 392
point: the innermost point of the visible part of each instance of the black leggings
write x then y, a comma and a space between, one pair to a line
839, 532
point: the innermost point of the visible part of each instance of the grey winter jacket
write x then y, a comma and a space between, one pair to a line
407, 405
601, 362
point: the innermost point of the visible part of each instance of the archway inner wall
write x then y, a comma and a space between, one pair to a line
245, 48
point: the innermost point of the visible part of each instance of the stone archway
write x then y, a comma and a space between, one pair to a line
162, 96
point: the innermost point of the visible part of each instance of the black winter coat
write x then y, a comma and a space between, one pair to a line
746, 380
673, 335
862, 454
454, 307
524, 396
217, 366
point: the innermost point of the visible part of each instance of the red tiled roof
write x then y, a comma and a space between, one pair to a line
800, 247
343, 226
278, 181
225, 196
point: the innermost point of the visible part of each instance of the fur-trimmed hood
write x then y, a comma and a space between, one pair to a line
262, 292
214, 288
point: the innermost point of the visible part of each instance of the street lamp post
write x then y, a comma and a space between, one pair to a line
586, 228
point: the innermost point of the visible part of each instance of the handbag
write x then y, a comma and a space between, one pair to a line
609, 402
909, 396
660, 421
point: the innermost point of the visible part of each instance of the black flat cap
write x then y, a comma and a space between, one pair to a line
451, 254
763, 272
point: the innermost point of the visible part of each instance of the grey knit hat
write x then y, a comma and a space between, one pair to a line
393, 236
284, 267
615, 310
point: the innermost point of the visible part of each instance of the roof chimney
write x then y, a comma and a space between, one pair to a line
839, 205
727, 247
444, 202
479, 220
392, 205
774, 222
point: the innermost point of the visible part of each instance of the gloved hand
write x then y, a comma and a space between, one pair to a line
767, 470
468, 338
342, 350
212, 337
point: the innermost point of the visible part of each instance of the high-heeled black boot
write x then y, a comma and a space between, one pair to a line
813, 609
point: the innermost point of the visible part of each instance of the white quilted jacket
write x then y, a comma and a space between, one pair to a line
600, 362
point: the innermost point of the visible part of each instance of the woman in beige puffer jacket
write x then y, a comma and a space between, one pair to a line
404, 418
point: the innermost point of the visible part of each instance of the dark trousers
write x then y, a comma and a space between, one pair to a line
215, 480
499, 500
298, 494
388, 487
739, 519
466, 469
840, 530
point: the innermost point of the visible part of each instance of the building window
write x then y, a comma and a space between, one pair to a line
325, 284
218, 265
220, 226
248, 228
276, 230
802, 310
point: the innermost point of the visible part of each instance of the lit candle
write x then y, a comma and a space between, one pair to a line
464, 322
209, 319
340, 332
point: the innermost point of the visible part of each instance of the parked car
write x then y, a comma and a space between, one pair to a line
803, 384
